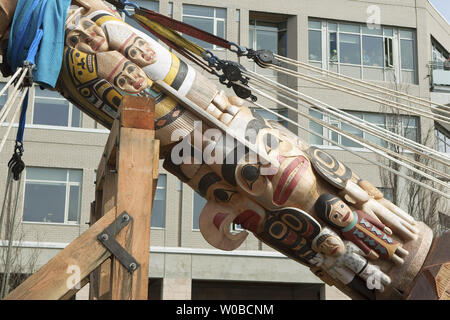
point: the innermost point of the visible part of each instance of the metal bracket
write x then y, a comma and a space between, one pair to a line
107, 238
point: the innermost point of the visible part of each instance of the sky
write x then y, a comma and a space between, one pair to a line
444, 7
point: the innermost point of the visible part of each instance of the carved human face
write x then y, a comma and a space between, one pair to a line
332, 246
288, 181
140, 52
129, 77
225, 206
340, 214
87, 37
245, 212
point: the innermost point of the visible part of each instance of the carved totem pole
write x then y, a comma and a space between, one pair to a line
300, 201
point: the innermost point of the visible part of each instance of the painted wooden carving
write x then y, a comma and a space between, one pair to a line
370, 235
290, 203
345, 262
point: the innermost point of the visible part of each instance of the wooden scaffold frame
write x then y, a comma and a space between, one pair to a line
113, 254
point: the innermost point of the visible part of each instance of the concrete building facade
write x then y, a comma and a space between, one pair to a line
63, 146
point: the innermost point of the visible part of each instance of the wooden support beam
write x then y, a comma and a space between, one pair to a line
72, 292
100, 288
136, 171
126, 181
109, 154
53, 280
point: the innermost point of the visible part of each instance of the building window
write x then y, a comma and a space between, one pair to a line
372, 51
270, 116
315, 41
406, 126
171, 9
403, 125
349, 44
51, 109
268, 32
3, 97
52, 195
381, 54
442, 139
407, 56
267, 35
159, 204
209, 19
439, 54
151, 5
199, 204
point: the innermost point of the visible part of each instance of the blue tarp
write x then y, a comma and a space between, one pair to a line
25, 27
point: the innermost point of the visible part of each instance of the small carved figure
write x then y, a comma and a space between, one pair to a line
347, 254
372, 236
326, 242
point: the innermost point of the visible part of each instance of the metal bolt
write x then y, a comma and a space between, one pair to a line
126, 218
104, 237
132, 266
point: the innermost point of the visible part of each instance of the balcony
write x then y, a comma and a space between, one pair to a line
440, 76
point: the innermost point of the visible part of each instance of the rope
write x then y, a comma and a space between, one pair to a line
446, 195
381, 132
413, 162
16, 113
366, 96
11, 98
368, 145
377, 88
8, 181
405, 158
10, 81
4, 288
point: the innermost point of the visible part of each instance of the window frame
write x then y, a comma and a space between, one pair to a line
234, 228
69, 115
338, 123
67, 184
4, 95
335, 64
215, 20
165, 203
281, 28
148, 4
440, 132
281, 111
193, 211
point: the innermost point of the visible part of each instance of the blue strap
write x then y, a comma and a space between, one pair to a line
30, 61
23, 114
38, 37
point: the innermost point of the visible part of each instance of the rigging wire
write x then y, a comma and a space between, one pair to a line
446, 195
363, 95
443, 175
11, 98
13, 120
386, 150
14, 76
365, 84
371, 128
367, 145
